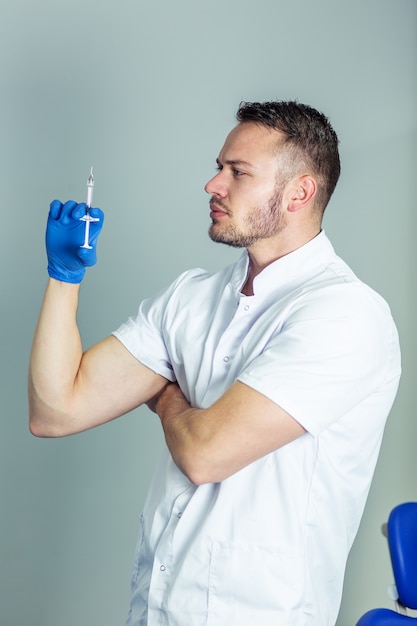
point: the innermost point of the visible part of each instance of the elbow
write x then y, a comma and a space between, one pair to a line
37, 425
45, 432
199, 470
44, 422
196, 478
38, 428
46, 419
200, 477
36, 431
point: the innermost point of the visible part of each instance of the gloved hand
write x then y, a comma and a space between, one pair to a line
65, 233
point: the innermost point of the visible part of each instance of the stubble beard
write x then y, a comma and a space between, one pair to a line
263, 222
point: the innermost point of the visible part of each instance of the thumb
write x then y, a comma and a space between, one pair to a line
88, 256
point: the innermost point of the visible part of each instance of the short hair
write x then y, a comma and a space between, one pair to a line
310, 140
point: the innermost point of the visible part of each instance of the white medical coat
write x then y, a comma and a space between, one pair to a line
268, 546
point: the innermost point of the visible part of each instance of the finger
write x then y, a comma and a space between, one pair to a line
55, 209
88, 256
78, 211
66, 211
97, 213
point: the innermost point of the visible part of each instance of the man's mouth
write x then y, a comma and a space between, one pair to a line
217, 210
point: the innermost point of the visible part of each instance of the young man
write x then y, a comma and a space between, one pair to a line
272, 379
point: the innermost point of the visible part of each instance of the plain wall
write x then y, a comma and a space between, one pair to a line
145, 91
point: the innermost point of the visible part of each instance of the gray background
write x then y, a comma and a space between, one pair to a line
146, 91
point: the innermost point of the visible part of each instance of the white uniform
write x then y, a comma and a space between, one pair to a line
268, 545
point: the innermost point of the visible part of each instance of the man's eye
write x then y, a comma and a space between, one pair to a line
237, 173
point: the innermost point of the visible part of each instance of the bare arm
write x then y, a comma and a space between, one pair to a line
71, 391
211, 444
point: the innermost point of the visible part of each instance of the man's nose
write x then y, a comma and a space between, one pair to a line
216, 186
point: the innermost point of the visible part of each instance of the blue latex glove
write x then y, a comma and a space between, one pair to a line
65, 233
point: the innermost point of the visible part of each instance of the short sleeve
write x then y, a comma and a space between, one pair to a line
145, 335
336, 347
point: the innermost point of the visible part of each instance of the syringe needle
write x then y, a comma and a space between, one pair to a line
90, 186
87, 217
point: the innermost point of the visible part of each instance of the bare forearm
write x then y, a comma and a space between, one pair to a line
56, 355
71, 390
196, 442
211, 444
188, 437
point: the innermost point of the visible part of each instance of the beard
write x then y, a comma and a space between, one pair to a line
263, 222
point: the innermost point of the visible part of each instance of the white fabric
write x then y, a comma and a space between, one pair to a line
267, 546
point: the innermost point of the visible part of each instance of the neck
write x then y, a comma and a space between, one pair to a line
262, 254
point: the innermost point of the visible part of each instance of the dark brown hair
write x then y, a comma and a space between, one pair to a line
309, 140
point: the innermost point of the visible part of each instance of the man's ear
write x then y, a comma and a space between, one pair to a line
302, 191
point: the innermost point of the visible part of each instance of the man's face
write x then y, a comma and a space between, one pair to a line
247, 192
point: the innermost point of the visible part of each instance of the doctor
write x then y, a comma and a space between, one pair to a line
272, 380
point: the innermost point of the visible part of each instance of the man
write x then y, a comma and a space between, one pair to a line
272, 379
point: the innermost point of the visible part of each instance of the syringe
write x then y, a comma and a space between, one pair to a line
87, 217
